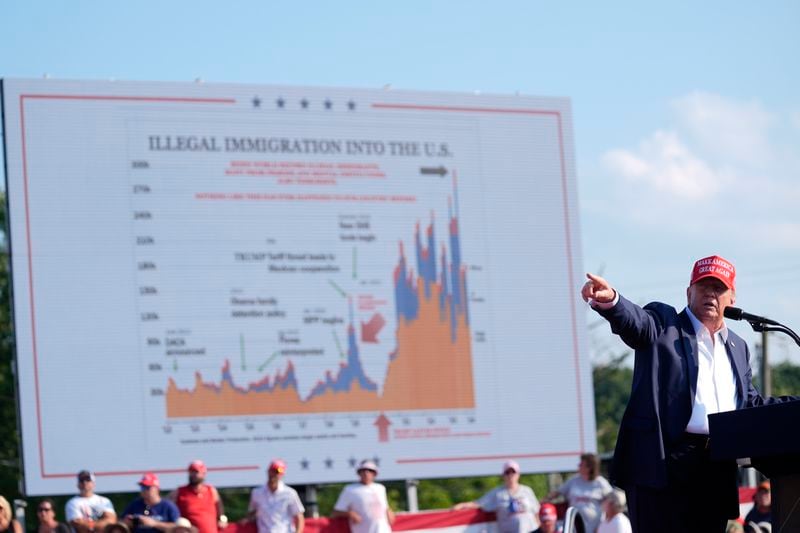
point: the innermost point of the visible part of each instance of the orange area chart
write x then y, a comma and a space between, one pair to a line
430, 367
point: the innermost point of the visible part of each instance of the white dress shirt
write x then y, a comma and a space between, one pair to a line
716, 384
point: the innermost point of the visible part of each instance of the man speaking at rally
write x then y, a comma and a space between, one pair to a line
687, 366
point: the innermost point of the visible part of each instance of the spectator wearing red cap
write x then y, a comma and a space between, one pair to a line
149, 513
762, 507
514, 504
276, 507
88, 511
687, 365
548, 519
364, 504
199, 502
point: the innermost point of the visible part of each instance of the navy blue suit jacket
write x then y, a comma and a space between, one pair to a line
663, 388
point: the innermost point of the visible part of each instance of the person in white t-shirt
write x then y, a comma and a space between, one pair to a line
88, 511
515, 505
615, 521
586, 490
364, 504
276, 507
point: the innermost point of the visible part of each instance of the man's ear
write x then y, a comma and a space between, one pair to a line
733, 297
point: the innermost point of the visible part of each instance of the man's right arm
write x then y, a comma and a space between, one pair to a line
466, 505
76, 519
598, 292
108, 517
637, 327
299, 523
71, 510
341, 509
487, 502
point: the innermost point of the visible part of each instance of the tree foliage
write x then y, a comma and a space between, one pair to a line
9, 443
785, 379
612, 387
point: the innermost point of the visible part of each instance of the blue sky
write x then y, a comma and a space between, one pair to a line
686, 115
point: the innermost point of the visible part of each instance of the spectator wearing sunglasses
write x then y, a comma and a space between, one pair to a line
365, 504
46, 514
150, 513
88, 511
275, 506
199, 502
514, 504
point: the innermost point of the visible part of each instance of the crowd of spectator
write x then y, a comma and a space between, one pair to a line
275, 507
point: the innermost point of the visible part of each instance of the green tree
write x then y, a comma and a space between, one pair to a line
612, 388
9, 444
785, 379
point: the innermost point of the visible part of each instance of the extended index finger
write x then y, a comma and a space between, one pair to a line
597, 279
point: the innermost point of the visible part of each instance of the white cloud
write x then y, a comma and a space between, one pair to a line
795, 120
667, 165
727, 166
726, 129
720, 176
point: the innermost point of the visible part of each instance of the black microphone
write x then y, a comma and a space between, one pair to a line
735, 313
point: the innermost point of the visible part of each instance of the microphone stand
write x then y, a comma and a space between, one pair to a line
760, 326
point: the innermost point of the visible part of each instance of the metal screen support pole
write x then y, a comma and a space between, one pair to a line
411, 495
19, 512
312, 507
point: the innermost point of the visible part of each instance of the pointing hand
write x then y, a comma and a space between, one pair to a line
597, 289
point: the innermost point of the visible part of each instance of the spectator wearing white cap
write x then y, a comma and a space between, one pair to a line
364, 504
514, 504
585, 491
199, 502
276, 507
88, 511
149, 513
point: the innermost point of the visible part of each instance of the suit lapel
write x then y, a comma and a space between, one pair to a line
739, 365
690, 347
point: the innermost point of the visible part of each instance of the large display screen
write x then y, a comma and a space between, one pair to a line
237, 273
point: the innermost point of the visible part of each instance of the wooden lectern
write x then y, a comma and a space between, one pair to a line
769, 436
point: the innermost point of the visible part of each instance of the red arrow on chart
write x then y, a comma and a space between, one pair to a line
369, 330
383, 428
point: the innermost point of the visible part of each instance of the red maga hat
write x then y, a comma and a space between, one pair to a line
278, 466
714, 266
198, 466
548, 512
149, 480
